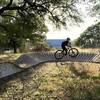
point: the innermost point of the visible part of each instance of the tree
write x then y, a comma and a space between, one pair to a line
90, 37
25, 17
95, 11
57, 10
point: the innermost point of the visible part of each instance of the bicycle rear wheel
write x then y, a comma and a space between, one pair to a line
59, 54
73, 52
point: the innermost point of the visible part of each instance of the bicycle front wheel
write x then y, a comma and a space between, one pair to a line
59, 54
73, 52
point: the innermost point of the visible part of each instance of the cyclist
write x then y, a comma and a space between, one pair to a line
65, 44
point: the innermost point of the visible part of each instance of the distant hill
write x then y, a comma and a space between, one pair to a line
55, 42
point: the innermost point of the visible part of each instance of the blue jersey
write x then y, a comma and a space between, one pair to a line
65, 42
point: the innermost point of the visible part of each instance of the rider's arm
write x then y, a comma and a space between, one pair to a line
69, 44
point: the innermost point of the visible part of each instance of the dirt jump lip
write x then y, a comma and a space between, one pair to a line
33, 59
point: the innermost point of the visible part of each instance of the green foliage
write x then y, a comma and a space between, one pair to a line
24, 18
90, 38
21, 29
96, 8
61, 9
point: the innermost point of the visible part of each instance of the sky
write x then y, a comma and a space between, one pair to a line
73, 31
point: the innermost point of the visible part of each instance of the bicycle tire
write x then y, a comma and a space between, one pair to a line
73, 52
59, 54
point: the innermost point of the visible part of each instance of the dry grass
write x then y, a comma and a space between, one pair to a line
90, 50
55, 81
9, 57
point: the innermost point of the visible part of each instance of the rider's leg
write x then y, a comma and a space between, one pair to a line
64, 48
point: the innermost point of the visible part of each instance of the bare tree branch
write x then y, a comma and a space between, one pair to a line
6, 7
5, 15
9, 7
10, 3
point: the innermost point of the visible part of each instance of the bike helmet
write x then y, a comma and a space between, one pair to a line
68, 39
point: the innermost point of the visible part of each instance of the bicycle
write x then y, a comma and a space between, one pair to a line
73, 52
